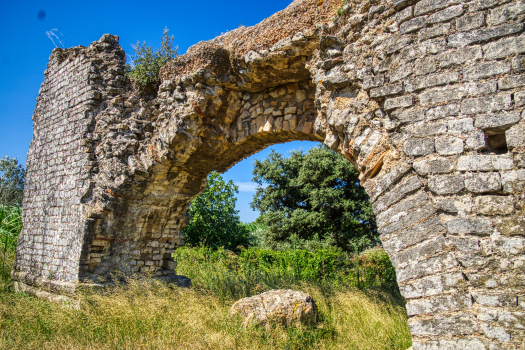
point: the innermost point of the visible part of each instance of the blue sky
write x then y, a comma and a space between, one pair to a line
26, 49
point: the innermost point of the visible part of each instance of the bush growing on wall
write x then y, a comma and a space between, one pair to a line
145, 64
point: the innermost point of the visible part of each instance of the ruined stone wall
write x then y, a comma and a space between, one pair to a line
425, 98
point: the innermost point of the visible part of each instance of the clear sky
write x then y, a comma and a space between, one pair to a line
26, 49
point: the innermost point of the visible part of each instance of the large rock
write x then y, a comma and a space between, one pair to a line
278, 306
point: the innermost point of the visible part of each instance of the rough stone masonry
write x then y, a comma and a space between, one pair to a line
426, 98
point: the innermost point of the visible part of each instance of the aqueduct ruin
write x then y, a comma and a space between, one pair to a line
425, 98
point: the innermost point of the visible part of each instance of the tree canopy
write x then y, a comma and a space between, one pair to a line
312, 198
214, 222
12, 181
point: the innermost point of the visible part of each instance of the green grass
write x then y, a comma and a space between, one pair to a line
144, 314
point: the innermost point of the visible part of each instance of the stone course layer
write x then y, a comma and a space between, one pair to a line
426, 99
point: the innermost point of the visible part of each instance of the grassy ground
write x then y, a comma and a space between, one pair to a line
148, 315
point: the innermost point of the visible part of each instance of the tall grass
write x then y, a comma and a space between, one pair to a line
10, 227
148, 315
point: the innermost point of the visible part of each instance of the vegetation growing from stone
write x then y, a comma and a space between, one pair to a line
214, 222
312, 199
144, 64
11, 181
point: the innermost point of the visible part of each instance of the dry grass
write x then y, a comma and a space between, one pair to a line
149, 315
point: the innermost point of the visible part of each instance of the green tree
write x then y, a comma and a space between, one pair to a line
12, 182
145, 64
312, 199
214, 222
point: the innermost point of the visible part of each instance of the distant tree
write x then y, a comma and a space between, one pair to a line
145, 64
312, 199
214, 222
11, 181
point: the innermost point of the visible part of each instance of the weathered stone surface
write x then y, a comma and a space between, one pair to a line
459, 56
472, 225
433, 166
449, 145
485, 70
470, 22
486, 104
484, 163
482, 182
114, 166
446, 184
507, 13
480, 35
513, 181
497, 122
494, 205
419, 147
515, 136
277, 306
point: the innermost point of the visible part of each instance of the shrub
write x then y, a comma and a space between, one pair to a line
145, 64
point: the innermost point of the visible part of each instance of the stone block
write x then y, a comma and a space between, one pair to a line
484, 34
406, 186
486, 69
442, 111
518, 63
401, 72
433, 166
421, 213
506, 13
439, 30
446, 14
421, 251
404, 15
377, 187
519, 98
469, 225
433, 285
513, 181
372, 82
459, 56
409, 115
494, 205
446, 303
423, 130
482, 182
504, 47
470, 22
440, 95
418, 269
386, 90
449, 145
413, 25
511, 82
515, 136
427, 6
425, 65
461, 324
398, 102
486, 104
428, 81
462, 126
400, 208
418, 147
478, 88
452, 344
446, 184
485, 163
497, 123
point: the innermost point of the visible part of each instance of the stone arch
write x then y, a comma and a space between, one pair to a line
425, 98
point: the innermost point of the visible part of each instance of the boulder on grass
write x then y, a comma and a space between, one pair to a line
278, 306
